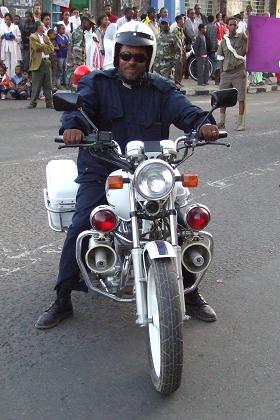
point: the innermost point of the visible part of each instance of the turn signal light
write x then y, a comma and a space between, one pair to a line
103, 221
189, 180
115, 182
198, 217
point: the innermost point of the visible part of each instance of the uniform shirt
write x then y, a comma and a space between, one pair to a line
141, 112
239, 43
179, 32
168, 49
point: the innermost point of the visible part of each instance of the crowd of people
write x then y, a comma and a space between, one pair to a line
35, 66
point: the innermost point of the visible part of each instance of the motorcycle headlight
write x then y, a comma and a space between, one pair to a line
154, 180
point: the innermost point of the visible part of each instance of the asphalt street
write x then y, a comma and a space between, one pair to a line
94, 366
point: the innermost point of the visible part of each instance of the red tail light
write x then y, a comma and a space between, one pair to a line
103, 220
198, 217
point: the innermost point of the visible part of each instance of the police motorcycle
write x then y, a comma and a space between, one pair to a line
140, 238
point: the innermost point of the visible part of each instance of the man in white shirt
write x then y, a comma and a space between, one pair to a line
69, 26
242, 25
128, 15
40, 65
75, 19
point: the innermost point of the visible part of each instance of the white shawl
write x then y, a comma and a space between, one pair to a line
13, 47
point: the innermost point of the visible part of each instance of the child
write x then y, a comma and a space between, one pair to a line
53, 57
18, 84
4, 82
28, 82
62, 42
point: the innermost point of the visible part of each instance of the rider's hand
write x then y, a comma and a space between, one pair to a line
209, 132
73, 136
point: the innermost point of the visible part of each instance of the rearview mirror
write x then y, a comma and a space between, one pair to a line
224, 98
67, 101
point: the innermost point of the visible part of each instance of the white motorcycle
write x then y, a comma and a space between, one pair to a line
141, 238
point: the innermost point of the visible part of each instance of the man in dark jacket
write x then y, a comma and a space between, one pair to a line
199, 17
200, 51
133, 104
212, 43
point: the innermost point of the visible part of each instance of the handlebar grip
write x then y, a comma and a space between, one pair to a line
58, 139
223, 134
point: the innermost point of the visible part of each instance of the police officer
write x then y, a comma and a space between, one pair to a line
134, 104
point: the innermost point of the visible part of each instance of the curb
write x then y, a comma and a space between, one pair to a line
250, 90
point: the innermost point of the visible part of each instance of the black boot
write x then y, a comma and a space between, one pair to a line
62, 308
198, 307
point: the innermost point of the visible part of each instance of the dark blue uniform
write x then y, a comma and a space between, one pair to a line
141, 111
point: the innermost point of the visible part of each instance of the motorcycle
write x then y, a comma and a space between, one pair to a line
142, 236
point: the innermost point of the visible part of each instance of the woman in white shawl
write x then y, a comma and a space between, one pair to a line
108, 43
3, 11
94, 59
10, 44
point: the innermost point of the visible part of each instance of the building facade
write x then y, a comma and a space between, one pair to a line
175, 7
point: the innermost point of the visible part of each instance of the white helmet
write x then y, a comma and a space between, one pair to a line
135, 34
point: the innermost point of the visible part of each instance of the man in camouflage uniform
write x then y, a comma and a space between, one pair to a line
168, 50
181, 63
76, 55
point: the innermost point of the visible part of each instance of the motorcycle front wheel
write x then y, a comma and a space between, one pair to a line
165, 335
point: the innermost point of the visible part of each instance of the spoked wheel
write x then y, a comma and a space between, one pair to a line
165, 335
193, 72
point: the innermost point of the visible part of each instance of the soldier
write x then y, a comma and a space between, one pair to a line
180, 65
76, 55
168, 50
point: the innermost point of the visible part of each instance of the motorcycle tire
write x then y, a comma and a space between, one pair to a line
164, 331
192, 68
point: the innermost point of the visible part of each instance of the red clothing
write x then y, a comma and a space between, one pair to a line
278, 77
112, 18
5, 81
221, 30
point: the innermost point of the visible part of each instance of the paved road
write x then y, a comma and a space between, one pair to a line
94, 366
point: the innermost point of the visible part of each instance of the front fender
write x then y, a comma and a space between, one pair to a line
159, 249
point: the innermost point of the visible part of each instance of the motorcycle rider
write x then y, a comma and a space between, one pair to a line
134, 104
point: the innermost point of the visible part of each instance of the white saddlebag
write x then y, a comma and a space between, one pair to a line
60, 194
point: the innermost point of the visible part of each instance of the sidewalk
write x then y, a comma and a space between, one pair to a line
191, 88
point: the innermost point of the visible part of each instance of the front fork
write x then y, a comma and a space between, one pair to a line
140, 276
177, 249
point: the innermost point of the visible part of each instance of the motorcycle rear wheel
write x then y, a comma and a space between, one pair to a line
164, 332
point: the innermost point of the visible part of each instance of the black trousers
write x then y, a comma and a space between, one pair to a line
90, 195
203, 70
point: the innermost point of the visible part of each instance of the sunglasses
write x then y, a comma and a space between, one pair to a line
127, 56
